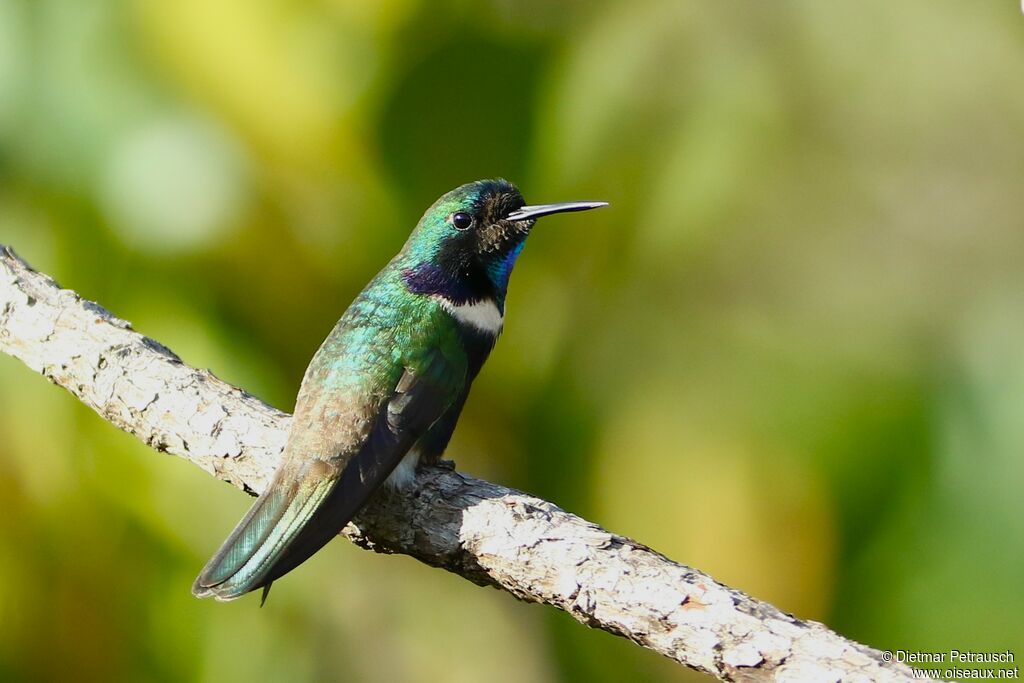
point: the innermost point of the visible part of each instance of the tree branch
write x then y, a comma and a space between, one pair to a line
486, 533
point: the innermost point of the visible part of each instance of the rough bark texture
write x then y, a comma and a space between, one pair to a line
486, 533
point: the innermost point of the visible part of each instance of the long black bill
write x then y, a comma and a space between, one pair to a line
527, 212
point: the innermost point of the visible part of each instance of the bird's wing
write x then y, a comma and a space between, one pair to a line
312, 498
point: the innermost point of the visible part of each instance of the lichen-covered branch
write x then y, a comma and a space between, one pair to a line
486, 533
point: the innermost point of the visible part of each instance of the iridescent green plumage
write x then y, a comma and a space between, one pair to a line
389, 381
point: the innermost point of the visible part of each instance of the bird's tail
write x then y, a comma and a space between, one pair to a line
288, 523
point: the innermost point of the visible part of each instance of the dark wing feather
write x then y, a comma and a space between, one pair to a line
301, 511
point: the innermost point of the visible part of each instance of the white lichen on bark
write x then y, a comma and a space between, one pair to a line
486, 533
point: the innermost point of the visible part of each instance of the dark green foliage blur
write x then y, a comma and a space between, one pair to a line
791, 353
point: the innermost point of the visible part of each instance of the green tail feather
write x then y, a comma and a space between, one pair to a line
245, 560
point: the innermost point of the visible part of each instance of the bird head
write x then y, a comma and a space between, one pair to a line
465, 245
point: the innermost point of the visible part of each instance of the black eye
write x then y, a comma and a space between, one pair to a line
461, 220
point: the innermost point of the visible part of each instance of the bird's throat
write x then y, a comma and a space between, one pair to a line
483, 316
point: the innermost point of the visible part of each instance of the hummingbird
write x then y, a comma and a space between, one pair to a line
385, 389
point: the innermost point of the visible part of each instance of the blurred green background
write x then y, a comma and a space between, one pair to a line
790, 354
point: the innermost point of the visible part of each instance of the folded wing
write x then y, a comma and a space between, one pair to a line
312, 496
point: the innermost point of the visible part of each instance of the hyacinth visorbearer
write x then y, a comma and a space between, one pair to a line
386, 387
